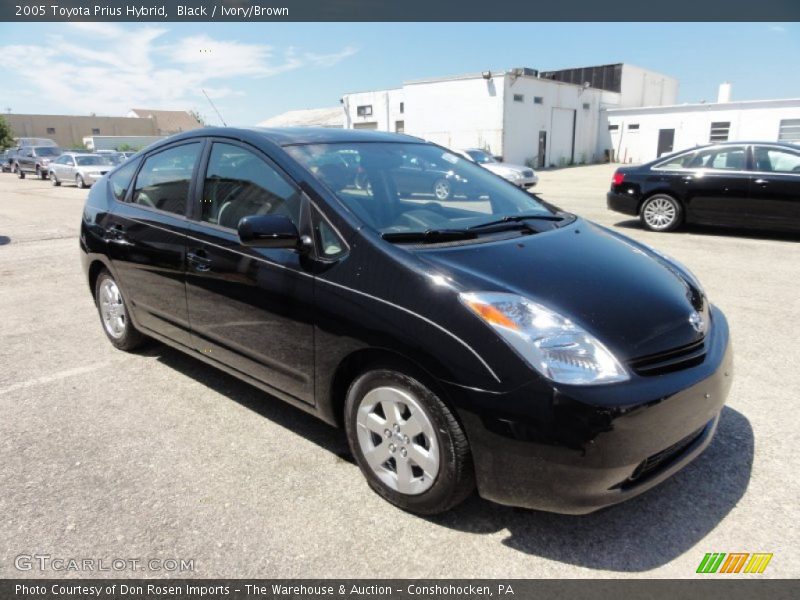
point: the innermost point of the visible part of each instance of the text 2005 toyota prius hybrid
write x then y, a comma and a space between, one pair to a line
463, 332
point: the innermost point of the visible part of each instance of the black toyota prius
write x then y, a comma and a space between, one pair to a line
476, 338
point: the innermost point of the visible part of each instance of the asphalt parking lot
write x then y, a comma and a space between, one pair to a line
153, 455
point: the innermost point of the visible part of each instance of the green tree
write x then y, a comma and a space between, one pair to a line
6, 135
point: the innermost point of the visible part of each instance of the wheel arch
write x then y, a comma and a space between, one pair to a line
364, 359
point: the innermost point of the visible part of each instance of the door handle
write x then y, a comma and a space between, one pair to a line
761, 181
199, 260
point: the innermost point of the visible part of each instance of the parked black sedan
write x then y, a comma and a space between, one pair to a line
735, 184
494, 340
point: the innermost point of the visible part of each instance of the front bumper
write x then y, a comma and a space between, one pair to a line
524, 182
574, 450
91, 177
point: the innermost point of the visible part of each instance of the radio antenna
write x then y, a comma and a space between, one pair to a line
214, 107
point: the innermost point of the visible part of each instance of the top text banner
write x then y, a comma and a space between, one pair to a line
399, 10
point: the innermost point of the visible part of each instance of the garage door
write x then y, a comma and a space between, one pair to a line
562, 137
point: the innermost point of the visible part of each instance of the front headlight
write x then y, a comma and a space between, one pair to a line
551, 343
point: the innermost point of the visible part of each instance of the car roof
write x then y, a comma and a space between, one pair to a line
288, 136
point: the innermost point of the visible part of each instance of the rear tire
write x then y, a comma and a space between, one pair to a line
114, 314
407, 442
41, 174
661, 212
442, 189
80, 182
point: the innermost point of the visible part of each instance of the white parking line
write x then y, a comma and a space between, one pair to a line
55, 377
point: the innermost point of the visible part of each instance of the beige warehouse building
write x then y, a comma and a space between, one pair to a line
68, 131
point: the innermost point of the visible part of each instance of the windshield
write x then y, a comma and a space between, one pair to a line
85, 161
48, 151
411, 188
481, 157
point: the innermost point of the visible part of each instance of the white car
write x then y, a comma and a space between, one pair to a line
520, 175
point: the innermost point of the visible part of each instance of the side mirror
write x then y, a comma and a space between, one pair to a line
268, 231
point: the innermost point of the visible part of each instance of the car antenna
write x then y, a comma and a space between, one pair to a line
214, 107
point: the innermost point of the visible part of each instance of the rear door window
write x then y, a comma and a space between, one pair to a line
728, 158
164, 180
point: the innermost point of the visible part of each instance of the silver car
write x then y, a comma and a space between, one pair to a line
520, 175
81, 169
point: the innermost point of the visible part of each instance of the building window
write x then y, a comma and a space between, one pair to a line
613, 127
586, 106
51, 130
719, 131
519, 98
789, 130
633, 126
364, 111
402, 107
399, 126
95, 131
538, 100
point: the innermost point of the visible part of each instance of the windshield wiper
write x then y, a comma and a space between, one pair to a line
517, 219
429, 236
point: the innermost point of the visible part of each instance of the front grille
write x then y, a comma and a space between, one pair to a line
676, 359
661, 459
527, 173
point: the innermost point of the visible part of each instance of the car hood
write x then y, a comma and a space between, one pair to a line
632, 299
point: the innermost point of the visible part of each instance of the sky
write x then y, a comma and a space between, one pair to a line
253, 71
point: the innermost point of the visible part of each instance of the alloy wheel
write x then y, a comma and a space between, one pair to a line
660, 213
441, 189
398, 440
112, 309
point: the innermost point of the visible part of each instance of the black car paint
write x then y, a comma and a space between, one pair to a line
314, 322
746, 198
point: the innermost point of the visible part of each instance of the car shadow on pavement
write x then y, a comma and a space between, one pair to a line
4, 240
638, 535
287, 416
779, 236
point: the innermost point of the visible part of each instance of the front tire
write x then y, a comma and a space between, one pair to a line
407, 442
41, 174
114, 314
19, 172
80, 182
54, 180
661, 212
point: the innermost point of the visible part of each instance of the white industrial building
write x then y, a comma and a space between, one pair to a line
643, 134
616, 112
526, 116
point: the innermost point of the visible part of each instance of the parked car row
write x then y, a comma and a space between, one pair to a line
45, 160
